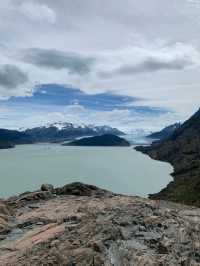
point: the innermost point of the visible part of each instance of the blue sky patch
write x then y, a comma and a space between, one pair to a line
52, 102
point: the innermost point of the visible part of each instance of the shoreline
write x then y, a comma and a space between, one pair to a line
156, 195
117, 169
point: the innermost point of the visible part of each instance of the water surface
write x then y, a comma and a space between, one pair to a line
119, 169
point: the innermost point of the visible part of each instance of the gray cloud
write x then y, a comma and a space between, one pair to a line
152, 65
92, 27
149, 65
74, 62
11, 77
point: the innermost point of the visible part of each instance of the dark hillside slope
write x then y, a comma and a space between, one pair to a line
103, 140
6, 145
8, 138
165, 133
182, 150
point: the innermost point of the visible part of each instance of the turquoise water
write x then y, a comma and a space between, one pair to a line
120, 169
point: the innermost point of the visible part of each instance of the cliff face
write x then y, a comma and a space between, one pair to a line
182, 150
84, 225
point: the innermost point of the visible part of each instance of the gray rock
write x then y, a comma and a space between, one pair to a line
47, 187
80, 189
35, 196
90, 226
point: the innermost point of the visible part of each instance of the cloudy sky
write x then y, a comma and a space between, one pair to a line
130, 64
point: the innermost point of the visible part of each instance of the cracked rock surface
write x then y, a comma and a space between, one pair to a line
84, 225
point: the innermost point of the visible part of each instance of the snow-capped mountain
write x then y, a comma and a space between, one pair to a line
98, 129
58, 132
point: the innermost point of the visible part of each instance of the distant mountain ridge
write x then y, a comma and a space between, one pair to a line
165, 133
182, 150
57, 132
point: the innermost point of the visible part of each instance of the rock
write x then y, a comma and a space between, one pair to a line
91, 226
2, 237
24, 193
4, 217
47, 187
31, 197
4, 209
80, 189
4, 228
164, 245
97, 246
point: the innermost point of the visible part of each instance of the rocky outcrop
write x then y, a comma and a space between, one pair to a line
80, 189
85, 225
182, 150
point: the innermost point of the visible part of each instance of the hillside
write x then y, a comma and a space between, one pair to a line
5, 145
84, 225
8, 138
182, 150
103, 140
13, 136
165, 133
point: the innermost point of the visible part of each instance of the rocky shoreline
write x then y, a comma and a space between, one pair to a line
182, 151
83, 225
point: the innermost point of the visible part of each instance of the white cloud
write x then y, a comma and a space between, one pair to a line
137, 51
75, 109
101, 71
123, 119
134, 60
38, 12
194, 2
160, 73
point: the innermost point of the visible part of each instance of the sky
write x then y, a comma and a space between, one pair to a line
129, 64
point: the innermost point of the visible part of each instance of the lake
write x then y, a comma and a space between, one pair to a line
119, 169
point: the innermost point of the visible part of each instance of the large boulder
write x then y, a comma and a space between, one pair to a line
80, 189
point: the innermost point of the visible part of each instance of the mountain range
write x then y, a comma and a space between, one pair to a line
57, 132
182, 150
